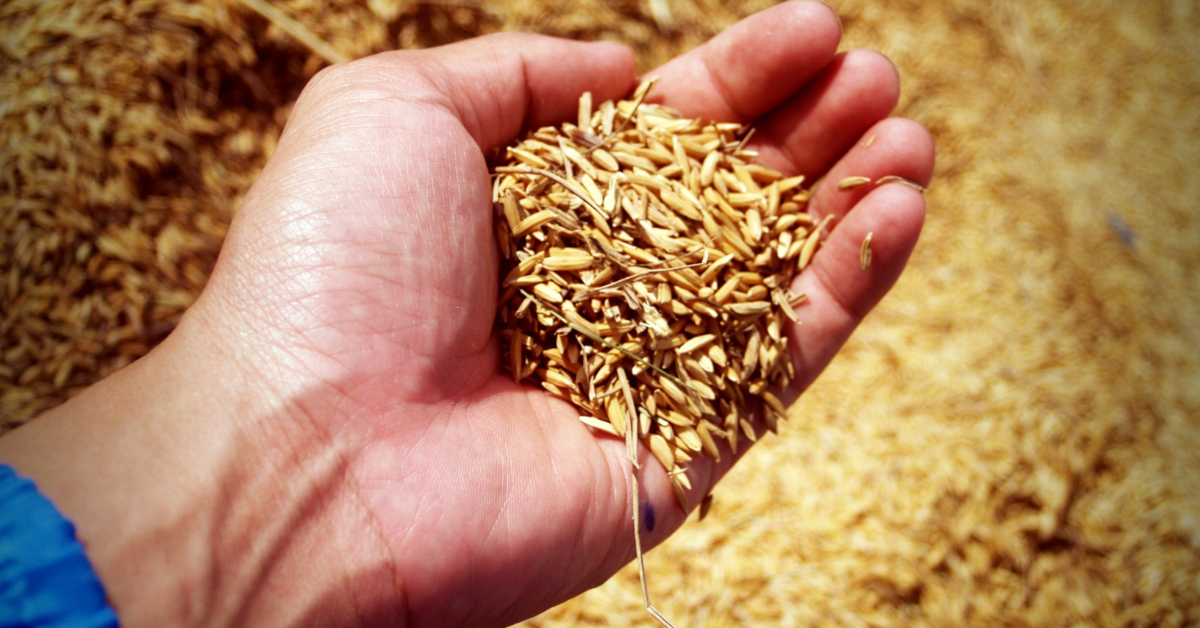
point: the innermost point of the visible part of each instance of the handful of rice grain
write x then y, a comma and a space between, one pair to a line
646, 271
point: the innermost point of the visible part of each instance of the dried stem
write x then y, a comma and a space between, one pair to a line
631, 447
632, 278
297, 30
645, 89
570, 187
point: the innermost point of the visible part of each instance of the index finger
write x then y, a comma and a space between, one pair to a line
752, 66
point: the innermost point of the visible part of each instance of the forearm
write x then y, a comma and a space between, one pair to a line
194, 508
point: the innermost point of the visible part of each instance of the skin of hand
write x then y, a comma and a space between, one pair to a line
327, 437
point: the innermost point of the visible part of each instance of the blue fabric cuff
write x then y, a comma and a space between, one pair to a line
45, 578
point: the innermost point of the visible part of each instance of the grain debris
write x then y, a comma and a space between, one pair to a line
865, 253
891, 178
849, 183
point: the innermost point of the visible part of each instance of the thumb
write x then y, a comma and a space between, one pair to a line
501, 83
495, 85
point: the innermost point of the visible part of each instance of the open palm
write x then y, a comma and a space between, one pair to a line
366, 253
356, 295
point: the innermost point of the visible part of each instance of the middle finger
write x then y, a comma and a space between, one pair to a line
811, 131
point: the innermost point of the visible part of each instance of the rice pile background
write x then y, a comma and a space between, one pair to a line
1013, 438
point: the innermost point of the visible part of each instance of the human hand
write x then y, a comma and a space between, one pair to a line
327, 438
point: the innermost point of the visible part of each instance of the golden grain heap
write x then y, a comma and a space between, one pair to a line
647, 265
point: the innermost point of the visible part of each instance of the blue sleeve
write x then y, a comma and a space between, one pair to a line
45, 578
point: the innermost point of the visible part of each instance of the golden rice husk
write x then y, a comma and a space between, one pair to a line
1040, 345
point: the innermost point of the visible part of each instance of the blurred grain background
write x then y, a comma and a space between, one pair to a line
1012, 438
